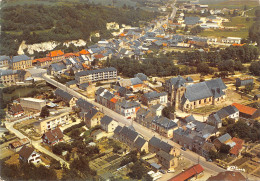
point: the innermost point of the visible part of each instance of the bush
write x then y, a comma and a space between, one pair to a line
73, 127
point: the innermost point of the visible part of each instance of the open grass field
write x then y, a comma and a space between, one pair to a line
243, 33
235, 4
251, 12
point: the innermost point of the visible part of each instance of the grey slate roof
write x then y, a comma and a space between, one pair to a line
81, 103
89, 72
155, 142
84, 86
165, 123
141, 76
127, 104
118, 129
136, 81
154, 95
72, 82
19, 58
106, 120
8, 72
4, 57
224, 138
128, 133
191, 20
58, 66
63, 94
202, 90
176, 81
164, 155
91, 113
139, 142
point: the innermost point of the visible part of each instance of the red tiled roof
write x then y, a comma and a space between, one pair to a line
122, 34
84, 52
56, 53
114, 100
20, 143
26, 152
228, 175
245, 109
54, 135
190, 172
236, 149
69, 55
42, 59
98, 56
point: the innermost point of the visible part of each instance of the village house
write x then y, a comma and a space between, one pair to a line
247, 112
15, 110
186, 96
56, 69
164, 126
11, 77
133, 83
231, 40
194, 135
224, 113
89, 89
20, 62
17, 145
244, 81
153, 98
59, 119
236, 144
4, 61
165, 153
32, 104
129, 136
93, 117
127, 108
108, 124
52, 137
42, 62
66, 97
29, 155
83, 105
145, 117
56, 55
228, 175
109, 73
192, 173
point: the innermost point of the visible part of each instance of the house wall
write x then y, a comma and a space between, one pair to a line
52, 123
24, 64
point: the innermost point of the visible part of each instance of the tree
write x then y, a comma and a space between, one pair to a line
254, 68
213, 155
57, 149
248, 88
224, 148
196, 30
186, 28
167, 111
45, 112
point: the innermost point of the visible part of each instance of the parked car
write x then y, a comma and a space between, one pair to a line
183, 148
162, 171
171, 171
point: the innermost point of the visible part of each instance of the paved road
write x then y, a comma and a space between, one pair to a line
36, 144
147, 133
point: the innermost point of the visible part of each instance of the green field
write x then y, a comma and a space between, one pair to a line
243, 33
251, 12
235, 4
240, 22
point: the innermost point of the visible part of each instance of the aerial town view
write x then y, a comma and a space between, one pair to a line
109, 90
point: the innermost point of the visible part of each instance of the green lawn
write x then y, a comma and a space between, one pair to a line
239, 22
243, 33
235, 4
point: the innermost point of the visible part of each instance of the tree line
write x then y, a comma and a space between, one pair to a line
39, 23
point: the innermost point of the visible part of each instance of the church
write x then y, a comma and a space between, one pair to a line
186, 95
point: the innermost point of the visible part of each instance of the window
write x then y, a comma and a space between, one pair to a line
205, 100
199, 101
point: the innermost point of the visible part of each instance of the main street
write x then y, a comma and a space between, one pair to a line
147, 133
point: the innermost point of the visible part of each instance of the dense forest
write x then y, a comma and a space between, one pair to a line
244, 54
150, 67
39, 23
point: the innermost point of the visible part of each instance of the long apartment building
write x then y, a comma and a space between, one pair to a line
96, 75
52, 122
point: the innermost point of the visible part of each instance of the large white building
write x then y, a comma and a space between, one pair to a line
32, 103
96, 75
